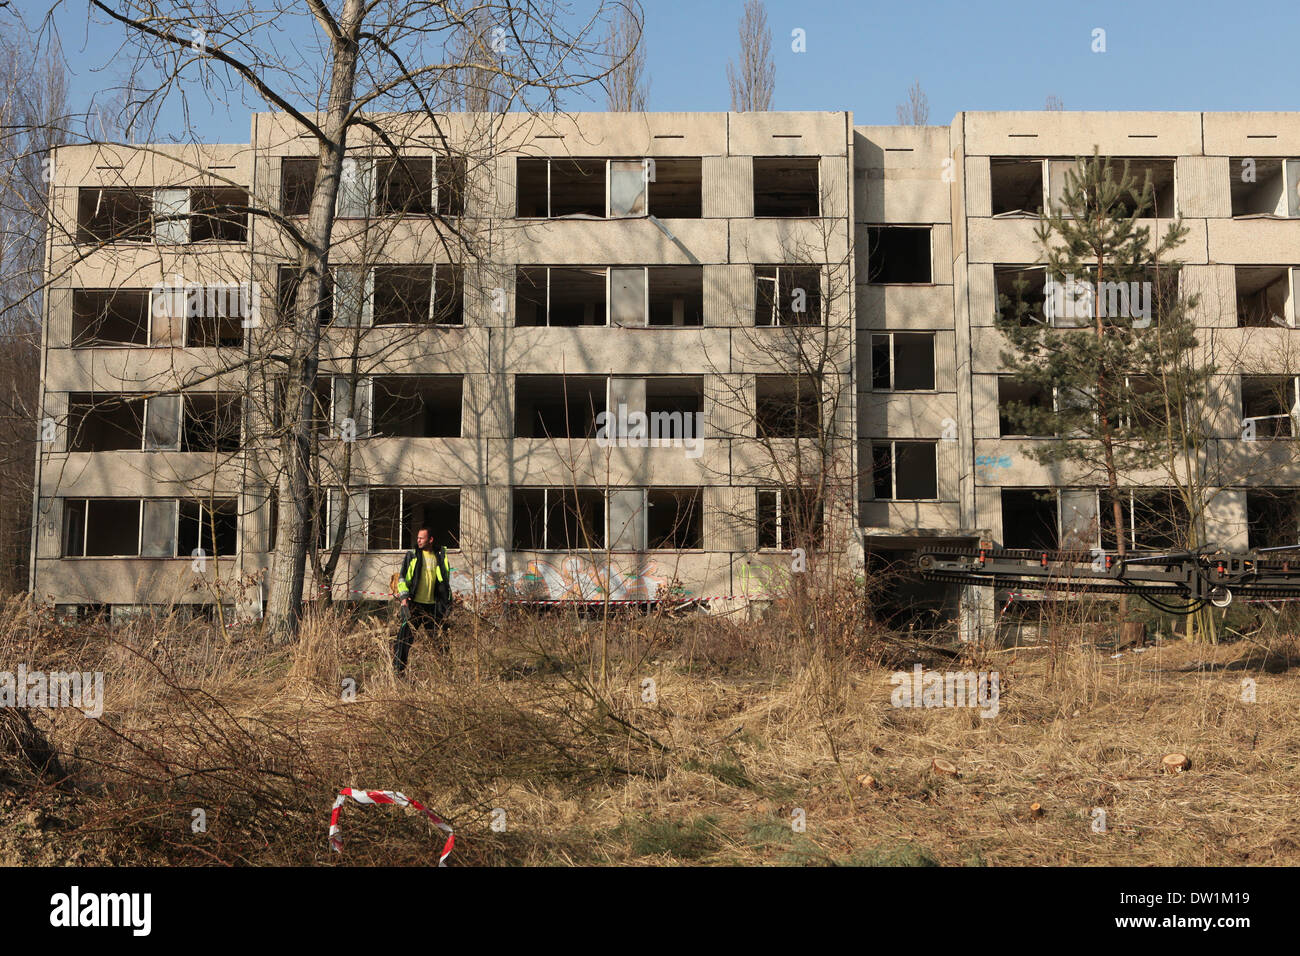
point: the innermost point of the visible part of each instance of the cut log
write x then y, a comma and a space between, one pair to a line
1175, 763
1035, 809
943, 767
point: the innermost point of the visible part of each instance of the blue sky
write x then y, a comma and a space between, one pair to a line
863, 56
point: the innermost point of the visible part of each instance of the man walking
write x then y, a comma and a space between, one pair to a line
424, 589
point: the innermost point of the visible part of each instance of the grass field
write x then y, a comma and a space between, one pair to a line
708, 741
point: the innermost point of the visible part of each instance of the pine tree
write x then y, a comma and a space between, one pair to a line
1114, 342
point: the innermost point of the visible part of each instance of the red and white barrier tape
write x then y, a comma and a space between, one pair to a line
644, 600
386, 796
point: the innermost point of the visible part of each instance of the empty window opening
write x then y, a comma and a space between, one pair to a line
1023, 408
1268, 404
560, 296
114, 215
1154, 520
898, 255
902, 361
403, 295
1161, 173
219, 214
297, 184
558, 519
104, 422
789, 518
904, 470
212, 422
404, 187
288, 280
675, 295
215, 316
674, 395
558, 406
675, 188
786, 186
576, 187
211, 525
101, 527
1029, 519
1273, 518
787, 406
1020, 291
110, 317
452, 183
397, 514
1263, 296
1264, 188
787, 295
532, 188
675, 519
416, 406
1016, 186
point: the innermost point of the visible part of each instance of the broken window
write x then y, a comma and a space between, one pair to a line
416, 406
452, 183
898, 255
104, 422
675, 191
1268, 405
1264, 188
675, 295
397, 514
354, 296
403, 295
1029, 519
211, 526
404, 186
101, 527
904, 470
219, 214
628, 180
110, 317
215, 315
786, 186
1021, 406
162, 423
212, 422
1161, 175
627, 297
674, 520
787, 295
1264, 297
558, 406
789, 518
114, 215
288, 278
558, 519
1020, 292
350, 407
787, 406
553, 188
902, 361
561, 296
1154, 520
297, 183
1016, 185
1273, 518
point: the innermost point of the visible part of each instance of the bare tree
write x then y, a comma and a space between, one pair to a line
916, 110
627, 88
754, 79
365, 60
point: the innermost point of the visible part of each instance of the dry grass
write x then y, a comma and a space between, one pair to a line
749, 722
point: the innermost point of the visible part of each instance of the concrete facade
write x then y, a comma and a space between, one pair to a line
911, 355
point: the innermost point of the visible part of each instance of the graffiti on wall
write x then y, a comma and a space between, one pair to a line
569, 578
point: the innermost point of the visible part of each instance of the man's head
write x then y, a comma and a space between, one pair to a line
424, 539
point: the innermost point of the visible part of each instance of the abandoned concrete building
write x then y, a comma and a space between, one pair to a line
506, 315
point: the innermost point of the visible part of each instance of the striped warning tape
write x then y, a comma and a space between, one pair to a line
386, 796
644, 600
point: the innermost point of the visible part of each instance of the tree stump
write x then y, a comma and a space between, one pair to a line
1175, 763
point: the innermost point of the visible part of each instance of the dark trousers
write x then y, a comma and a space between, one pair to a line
425, 617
